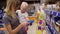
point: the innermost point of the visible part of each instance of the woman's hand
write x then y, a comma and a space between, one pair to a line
24, 24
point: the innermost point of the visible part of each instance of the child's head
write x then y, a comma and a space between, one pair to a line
24, 7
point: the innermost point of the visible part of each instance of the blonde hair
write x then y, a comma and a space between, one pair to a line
25, 4
11, 7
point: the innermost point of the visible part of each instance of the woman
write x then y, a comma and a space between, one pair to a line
11, 19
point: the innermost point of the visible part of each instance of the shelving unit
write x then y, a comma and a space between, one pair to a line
1, 22
41, 20
51, 14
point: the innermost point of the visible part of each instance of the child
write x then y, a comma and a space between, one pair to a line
23, 13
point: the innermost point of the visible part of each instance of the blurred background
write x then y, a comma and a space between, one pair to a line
51, 9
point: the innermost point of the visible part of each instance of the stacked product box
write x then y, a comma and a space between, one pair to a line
1, 22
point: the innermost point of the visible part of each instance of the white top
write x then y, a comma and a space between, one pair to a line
22, 16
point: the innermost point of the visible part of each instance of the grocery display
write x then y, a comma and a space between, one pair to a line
1, 22
46, 17
41, 25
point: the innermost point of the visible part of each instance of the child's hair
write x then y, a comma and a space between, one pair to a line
24, 4
11, 7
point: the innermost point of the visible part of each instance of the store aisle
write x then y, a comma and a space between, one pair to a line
32, 29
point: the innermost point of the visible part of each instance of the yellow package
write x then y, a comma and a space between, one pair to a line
39, 32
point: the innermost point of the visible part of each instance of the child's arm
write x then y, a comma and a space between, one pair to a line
26, 16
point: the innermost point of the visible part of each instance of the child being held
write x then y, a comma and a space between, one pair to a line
22, 14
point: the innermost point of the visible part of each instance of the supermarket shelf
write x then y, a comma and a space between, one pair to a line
2, 32
50, 19
58, 24
47, 29
1, 22
53, 12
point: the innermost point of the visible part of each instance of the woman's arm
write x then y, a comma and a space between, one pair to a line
9, 28
20, 26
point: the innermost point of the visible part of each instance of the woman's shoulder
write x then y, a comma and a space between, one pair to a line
6, 19
5, 16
